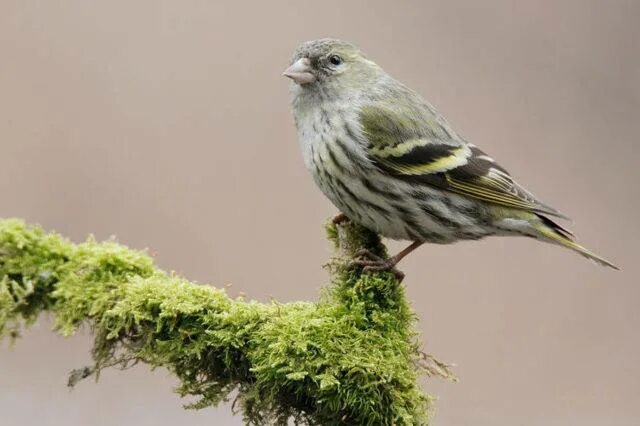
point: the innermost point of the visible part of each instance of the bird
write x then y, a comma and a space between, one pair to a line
389, 161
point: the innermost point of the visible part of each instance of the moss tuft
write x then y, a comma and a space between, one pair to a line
350, 358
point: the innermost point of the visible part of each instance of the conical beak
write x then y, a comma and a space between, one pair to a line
300, 71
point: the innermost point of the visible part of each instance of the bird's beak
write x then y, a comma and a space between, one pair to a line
300, 71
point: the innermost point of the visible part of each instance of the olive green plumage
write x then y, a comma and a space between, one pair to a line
389, 161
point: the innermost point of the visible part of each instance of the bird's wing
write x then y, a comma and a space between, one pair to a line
416, 145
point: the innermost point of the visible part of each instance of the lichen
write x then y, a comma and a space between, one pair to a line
352, 357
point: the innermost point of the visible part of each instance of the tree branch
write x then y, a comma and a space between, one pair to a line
352, 357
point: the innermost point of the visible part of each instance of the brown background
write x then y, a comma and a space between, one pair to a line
166, 123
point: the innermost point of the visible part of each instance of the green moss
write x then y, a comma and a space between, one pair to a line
350, 358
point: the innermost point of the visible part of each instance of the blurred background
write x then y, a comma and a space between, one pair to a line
167, 124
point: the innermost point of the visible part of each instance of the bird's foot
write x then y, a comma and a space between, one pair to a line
366, 256
371, 262
340, 218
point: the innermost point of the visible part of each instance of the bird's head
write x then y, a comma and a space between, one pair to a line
331, 66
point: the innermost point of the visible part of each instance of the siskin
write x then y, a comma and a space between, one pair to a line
390, 162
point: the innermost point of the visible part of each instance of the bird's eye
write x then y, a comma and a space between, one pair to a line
335, 60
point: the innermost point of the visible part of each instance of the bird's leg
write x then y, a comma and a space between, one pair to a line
339, 218
373, 262
398, 257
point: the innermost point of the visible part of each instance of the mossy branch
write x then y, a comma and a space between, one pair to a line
352, 357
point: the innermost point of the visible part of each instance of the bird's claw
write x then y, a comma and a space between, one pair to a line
385, 266
365, 255
340, 218
371, 262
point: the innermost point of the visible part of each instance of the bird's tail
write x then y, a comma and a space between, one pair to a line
555, 233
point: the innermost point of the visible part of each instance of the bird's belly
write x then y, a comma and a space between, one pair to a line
384, 204
373, 212
397, 210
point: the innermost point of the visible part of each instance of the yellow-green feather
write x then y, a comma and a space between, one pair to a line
565, 241
398, 134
